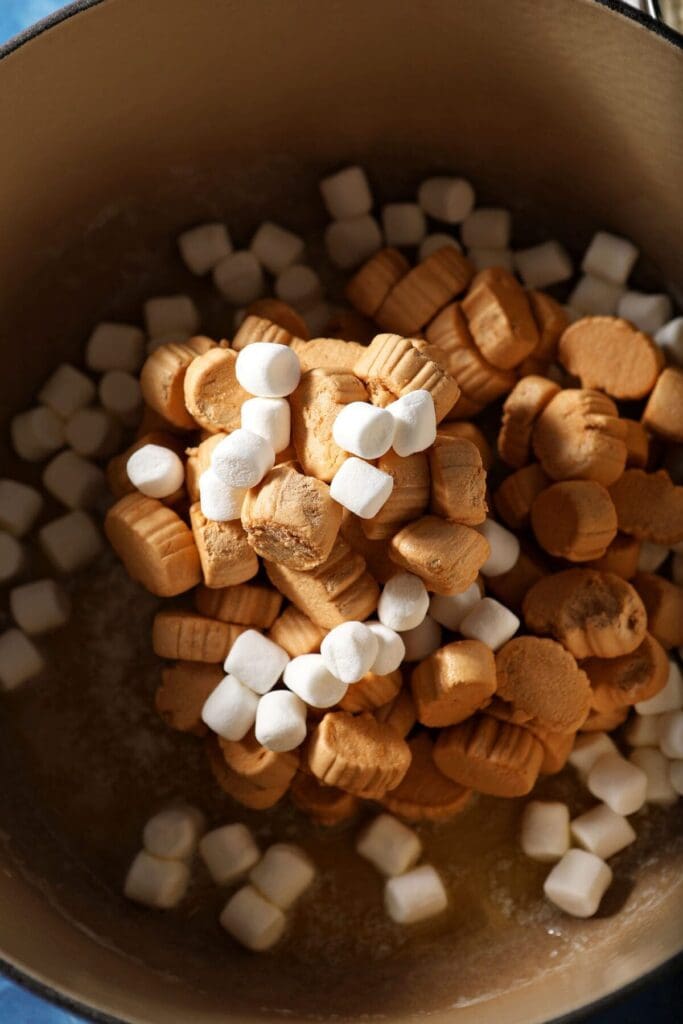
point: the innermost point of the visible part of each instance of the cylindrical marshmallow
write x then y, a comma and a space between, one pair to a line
230, 709
269, 418
449, 610
73, 480
229, 852
415, 896
619, 784
403, 223
670, 732
610, 257
239, 278
299, 286
93, 432
349, 651
592, 296
204, 246
588, 748
276, 248
482, 259
120, 393
308, 677
414, 422
578, 882
491, 622
602, 831
351, 242
171, 314
219, 501
155, 882
670, 339
544, 832
447, 199
12, 557
66, 391
389, 845
253, 920
71, 542
504, 548
37, 433
656, 768
668, 699
280, 721
156, 471
423, 640
390, 648
347, 194
20, 659
642, 730
256, 661
268, 370
283, 874
242, 459
40, 607
173, 833
20, 506
486, 228
647, 312
543, 265
432, 243
364, 430
361, 488
403, 603
115, 347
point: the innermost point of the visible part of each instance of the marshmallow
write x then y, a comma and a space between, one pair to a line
602, 831
174, 832
280, 721
621, 785
219, 501
269, 418
156, 471
66, 391
403, 223
239, 278
276, 248
256, 661
40, 607
592, 296
647, 312
242, 459
668, 699
656, 768
651, 556
389, 845
317, 318
73, 480
20, 660
12, 557
670, 339
450, 610
390, 649
171, 314
504, 548
482, 259
415, 896
403, 602
491, 622
361, 488
229, 852
486, 228
299, 286
203, 247
349, 651
670, 731
121, 394
71, 542
414, 422
155, 882
364, 429
432, 243
37, 433
609, 257
588, 748
351, 242
93, 432
308, 677
347, 194
543, 265
230, 710
115, 347
447, 199
268, 370
20, 506
676, 776
544, 833
578, 883
283, 874
642, 731
423, 640
254, 921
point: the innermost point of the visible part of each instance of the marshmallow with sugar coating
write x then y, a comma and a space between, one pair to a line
422, 640
73, 480
204, 246
66, 391
647, 312
256, 661
242, 459
253, 920
364, 430
504, 548
543, 265
609, 257
491, 622
276, 248
283, 874
670, 733
450, 200
239, 278
361, 488
350, 242
414, 422
346, 193
349, 651
71, 542
544, 832
308, 677
40, 606
12, 557
390, 648
280, 721
229, 852
486, 228
37, 433
389, 845
155, 470
588, 748
299, 286
668, 699
449, 610
578, 882
219, 501
173, 833
20, 506
403, 223
602, 831
171, 314
415, 896
121, 394
20, 659
268, 370
114, 346
403, 603
155, 882
656, 768
230, 710
270, 418
618, 783
93, 432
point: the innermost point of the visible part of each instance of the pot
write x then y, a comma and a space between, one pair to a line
126, 122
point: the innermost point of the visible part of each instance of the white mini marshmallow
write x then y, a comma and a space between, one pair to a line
491, 622
204, 246
432, 243
592, 296
361, 487
253, 920
414, 422
620, 784
364, 430
450, 610
283, 874
73, 480
299, 286
155, 882
93, 432
308, 677
389, 845
390, 648
651, 556
317, 318
269, 418
602, 831
276, 248
670, 733
482, 259
239, 278
656, 768
544, 831
578, 882
120, 393
486, 228
20, 506
670, 339
37, 433
543, 265
403, 223
229, 852
349, 651
668, 699
280, 721
403, 603
268, 370
66, 391
351, 242
156, 471
20, 659
676, 776
588, 748
230, 710
171, 314
642, 731
242, 459
256, 661
115, 347
173, 833
423, 640
71, 542
610, 257
40, 607
12, 557
219, 501
415, 896
647, 312
347, 194
450, 200
504, 548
